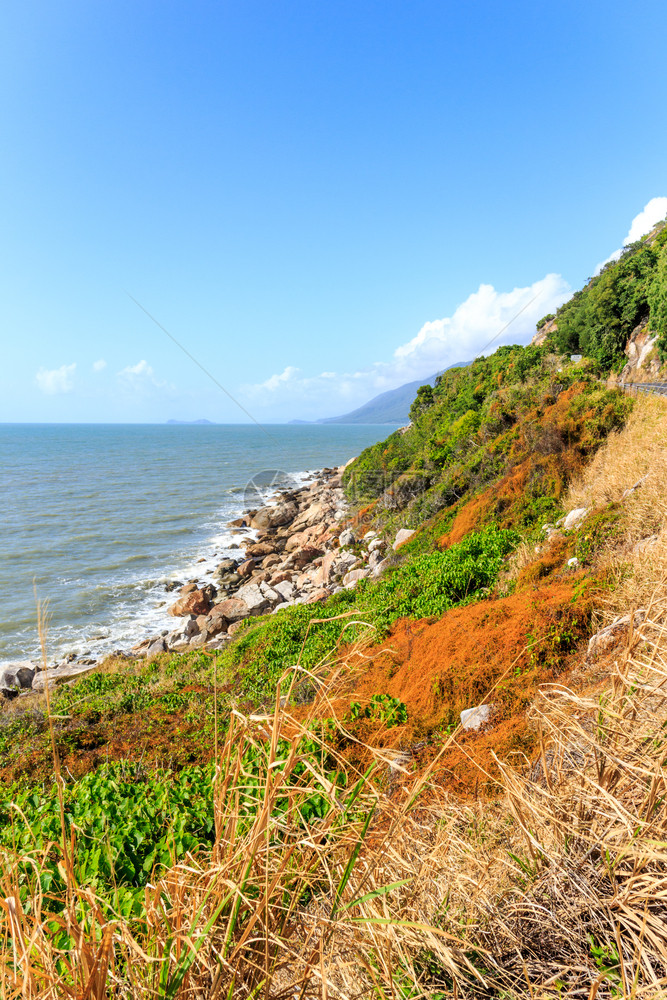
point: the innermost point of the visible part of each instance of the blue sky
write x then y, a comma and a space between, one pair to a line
318, 200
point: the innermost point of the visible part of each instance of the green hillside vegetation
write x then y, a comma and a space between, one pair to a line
521, 409
598, 320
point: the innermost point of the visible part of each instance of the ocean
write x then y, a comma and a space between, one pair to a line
96, 518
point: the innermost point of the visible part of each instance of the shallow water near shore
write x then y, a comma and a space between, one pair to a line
96, 518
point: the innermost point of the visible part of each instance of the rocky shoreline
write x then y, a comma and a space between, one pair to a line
297, 550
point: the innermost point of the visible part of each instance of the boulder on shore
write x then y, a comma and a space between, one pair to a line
197, 602
233, 609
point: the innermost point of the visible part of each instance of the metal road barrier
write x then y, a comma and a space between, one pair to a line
660, 388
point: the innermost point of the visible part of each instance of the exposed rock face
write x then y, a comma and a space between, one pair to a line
640, 350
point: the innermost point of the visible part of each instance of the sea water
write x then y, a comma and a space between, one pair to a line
95, 519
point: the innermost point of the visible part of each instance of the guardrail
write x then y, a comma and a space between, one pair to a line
660, 388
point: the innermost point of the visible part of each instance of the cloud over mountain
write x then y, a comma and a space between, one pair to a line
486, 319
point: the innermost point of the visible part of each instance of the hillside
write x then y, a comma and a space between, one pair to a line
410, 747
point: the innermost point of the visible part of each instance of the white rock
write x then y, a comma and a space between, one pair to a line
339, 515
377, 543
271, 594
473, 718
380, 567
286, 589
402, 535
350, 579
253, 597
347, 537
573, 562
369, 535
575, 517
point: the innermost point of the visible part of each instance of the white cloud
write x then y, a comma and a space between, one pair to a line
485, 320
142, 368
653, 212
56, 380
99, 366
140, 378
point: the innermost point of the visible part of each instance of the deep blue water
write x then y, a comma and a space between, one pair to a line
96, 517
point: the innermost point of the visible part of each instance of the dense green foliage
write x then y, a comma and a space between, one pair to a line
545, 319
127, 822
657, 301
598, 320
519, 404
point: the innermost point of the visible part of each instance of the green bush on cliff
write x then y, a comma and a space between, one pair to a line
521, 405
598, 320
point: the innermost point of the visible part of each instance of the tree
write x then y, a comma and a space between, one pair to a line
423, 400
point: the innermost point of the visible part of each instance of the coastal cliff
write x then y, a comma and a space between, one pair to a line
408, 739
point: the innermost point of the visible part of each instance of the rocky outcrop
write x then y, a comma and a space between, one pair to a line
297, 550
641, 352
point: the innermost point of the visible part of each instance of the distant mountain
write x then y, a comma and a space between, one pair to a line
201, 421
391, 407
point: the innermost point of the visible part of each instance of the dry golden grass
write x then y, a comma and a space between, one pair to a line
634, 457
558, 889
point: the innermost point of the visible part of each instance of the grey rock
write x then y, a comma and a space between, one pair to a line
350, 579
25, 675
376, 545
345, 562
380, 567
57, 674
374, 559
611, 635
271, 594
575, 517
473, 718
190, 628
402, 535
254, 598
347, 537
157, 646
286, 589
9, 684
